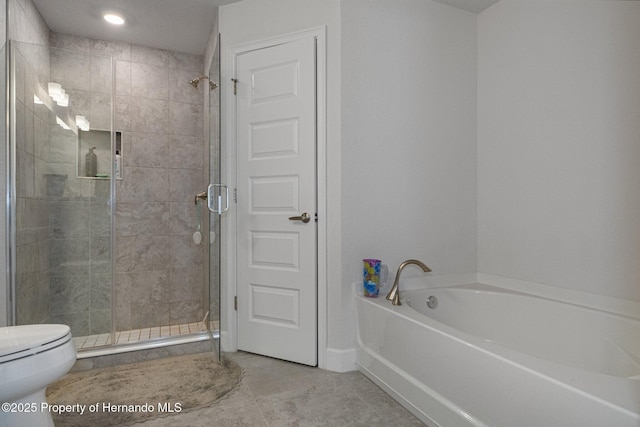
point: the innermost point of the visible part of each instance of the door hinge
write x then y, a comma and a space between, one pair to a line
235, 86
235, 303
235, 195
316, 217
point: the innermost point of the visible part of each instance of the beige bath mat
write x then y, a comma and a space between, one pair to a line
137, 392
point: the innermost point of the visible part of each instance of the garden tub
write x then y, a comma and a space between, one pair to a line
477, 354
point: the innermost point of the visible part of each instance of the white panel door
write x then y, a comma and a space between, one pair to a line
276, 167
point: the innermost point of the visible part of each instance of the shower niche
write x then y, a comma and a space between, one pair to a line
94, 154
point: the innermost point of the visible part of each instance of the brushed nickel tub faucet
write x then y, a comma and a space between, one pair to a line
394, 293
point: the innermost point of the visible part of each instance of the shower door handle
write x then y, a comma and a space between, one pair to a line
215, 201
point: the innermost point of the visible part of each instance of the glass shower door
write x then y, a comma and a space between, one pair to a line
61, 191
217, 200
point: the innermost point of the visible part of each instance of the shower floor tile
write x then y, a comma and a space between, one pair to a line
138, 335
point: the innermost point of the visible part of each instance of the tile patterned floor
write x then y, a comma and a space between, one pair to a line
138, 335
274, 393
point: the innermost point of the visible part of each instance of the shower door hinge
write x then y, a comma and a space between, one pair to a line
235, 303
235, 86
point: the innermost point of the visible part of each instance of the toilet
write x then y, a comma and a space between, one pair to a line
31, 358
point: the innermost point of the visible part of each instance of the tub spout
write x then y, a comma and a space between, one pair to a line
394, 293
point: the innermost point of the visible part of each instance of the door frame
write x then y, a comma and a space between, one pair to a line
229, 324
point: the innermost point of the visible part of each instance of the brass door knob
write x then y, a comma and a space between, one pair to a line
305, 217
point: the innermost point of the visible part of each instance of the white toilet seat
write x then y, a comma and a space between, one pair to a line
31, 358
17, 342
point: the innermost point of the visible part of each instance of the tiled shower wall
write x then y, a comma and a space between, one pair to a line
32, 234
159, 276
79, 222
63, 261
62, 224
32, 207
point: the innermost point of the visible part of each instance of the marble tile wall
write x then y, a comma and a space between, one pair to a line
32, 209
32, 236
26, 24
78, 221
63, 222
159, 274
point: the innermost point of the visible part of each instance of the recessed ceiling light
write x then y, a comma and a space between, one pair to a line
114, 19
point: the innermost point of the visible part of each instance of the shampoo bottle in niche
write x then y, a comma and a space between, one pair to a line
90, 163
118, 165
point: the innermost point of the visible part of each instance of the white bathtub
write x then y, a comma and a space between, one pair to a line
496, 356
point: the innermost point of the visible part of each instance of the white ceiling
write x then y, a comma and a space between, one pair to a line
180, 25
475, 6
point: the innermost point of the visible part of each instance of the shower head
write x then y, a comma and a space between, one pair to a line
196, 81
